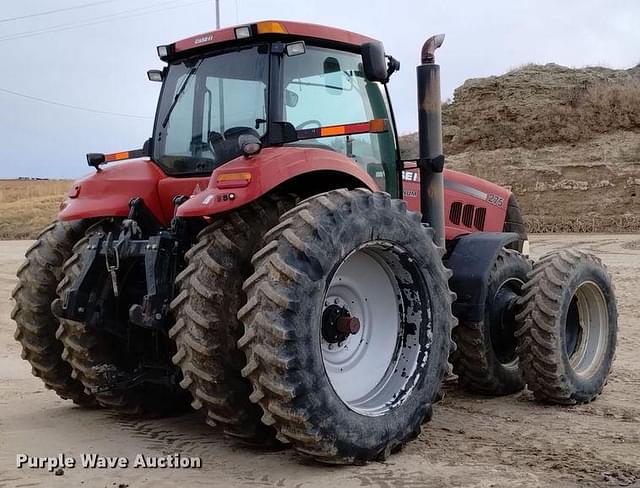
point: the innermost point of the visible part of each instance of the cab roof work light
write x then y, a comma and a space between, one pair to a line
243, 32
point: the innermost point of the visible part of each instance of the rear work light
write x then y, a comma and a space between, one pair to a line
243, 32
295, 48
163, 52
155, 75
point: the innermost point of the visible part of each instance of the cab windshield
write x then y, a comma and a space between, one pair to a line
206, 104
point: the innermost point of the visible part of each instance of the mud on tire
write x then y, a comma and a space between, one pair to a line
284, 318
486, 360
567, 337
96, 356
209, 295
38, 278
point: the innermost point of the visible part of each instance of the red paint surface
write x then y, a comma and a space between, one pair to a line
107, 193
301, 29
269, 169
495, 216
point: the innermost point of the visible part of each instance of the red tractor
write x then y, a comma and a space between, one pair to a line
263, 256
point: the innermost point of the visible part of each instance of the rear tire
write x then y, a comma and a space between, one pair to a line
38, 278
569, 324
323, 250
486, 360
514, 222
207, 328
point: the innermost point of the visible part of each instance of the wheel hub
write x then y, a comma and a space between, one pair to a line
338, 324
503, 321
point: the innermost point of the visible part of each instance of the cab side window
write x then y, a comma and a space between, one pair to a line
324, 87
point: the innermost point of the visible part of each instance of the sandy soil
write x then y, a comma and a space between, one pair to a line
472, 441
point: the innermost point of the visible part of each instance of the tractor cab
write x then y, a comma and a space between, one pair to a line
235, 91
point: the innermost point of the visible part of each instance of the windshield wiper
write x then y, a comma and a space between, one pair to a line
180, 92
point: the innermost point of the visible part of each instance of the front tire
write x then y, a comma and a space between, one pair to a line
311, 281
569, 326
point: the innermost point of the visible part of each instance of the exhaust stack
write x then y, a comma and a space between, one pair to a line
431, 159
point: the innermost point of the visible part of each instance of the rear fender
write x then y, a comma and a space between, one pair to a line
271, 168
107, 192
471, 259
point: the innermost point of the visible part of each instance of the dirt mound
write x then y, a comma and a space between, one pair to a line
591, 186
536, 106
566, 141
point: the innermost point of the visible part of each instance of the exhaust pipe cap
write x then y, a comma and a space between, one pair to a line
429, 48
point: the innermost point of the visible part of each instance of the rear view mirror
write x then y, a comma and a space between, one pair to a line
374, 62
95, 159
146, 147
249, 145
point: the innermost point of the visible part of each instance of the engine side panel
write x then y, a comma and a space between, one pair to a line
471, 204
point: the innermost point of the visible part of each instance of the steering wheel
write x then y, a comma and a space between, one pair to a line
214, 137
309, 122
215, 141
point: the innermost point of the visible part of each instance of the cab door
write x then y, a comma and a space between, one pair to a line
325, 87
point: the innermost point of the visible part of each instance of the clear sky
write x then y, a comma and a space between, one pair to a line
96, 57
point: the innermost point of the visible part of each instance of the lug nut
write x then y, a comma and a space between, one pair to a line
348, 325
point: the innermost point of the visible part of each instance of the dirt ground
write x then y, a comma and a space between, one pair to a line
472, 441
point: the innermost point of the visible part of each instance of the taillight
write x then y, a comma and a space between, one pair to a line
233, 180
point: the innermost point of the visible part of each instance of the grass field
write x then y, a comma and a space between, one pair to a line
27, 206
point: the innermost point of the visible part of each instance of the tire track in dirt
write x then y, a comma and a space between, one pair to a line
593, 443
187, 434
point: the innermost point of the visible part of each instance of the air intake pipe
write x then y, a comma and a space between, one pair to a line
431, 159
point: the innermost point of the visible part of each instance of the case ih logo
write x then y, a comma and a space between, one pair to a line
203, 39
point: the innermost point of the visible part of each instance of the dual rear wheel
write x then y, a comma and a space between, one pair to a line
36, 325
79, 362
568, 327
344, 332
551, 326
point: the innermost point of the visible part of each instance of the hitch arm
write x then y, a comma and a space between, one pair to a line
160, 259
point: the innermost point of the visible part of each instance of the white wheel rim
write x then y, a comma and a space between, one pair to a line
370, 369
593, 334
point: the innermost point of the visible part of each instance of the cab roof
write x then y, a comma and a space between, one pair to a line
283, 28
